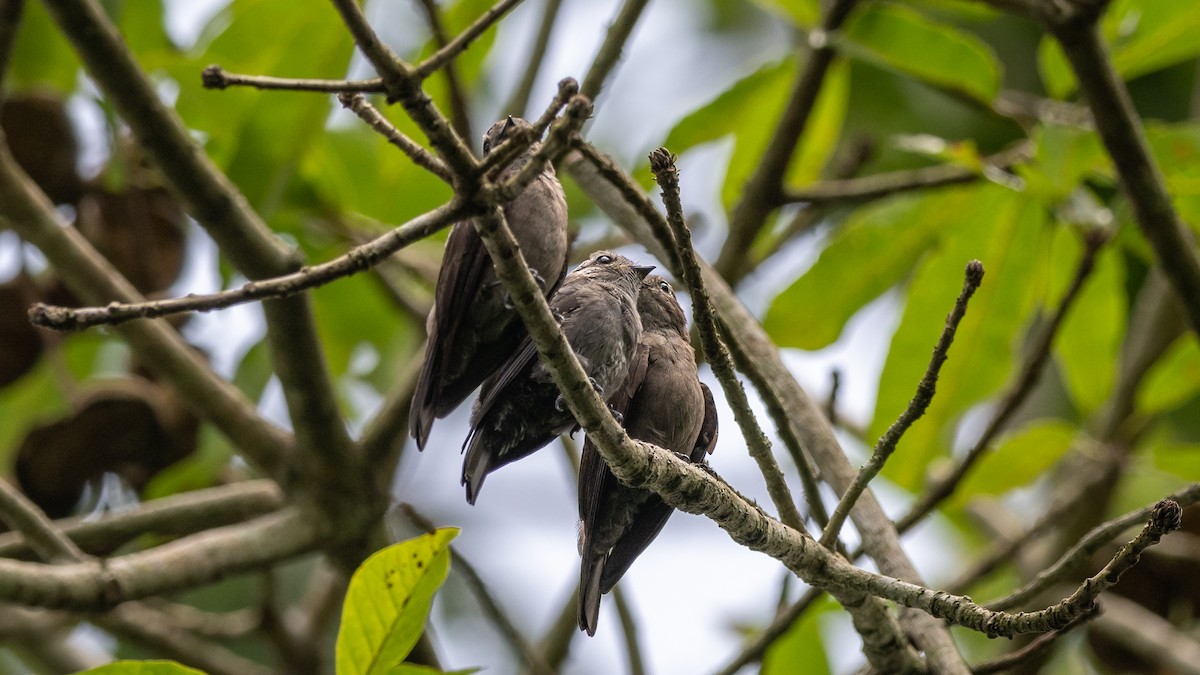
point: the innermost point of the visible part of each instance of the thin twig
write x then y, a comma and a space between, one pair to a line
358, 104
1034, 648
764, 189
464, 39
1093, 541
46, 540
523, 649
380, 447
783, 622
629, 629
537, 53
391, 68
1150, 636
151, 627
916, 407
356, 260
610, 50
662, 164
555, 644
516, 143
1121, 130
216, 77
457, 95
885, 184
1031, 370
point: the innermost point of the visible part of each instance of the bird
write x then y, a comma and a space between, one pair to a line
472, 328
664, 403
520, 409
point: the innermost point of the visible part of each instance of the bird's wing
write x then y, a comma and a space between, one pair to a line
464, 264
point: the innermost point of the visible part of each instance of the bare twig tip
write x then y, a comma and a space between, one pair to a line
974, 273
580, 106
661, 160
568, 87
1167, 516
214, 77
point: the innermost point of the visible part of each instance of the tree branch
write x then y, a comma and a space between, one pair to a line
537, 53
358, 104
185, 563
179, 514
610, 50
216, 77
1148, 635
46, 540
1031, 370
1093, 541
357, 259
916, 408
885, 184
763, 192
464, 39
1121, 130
679, 239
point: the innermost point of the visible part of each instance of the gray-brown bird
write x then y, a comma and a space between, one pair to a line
472, 327
520, 408
664, 403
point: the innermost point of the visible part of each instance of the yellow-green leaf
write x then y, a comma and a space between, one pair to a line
1002, 229
872, 251
1020, 458
905, 41
1089, 341
388, 602
1173, 380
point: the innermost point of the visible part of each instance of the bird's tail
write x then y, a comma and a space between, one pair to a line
476, 465
590, 572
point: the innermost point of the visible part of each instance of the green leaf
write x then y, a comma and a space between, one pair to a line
41, 56
1181, 459
903, 40
1065, 157
1002, 229
873, 250
1173, 380
388, 602
1143, 36
1019, 459
800, 649
260, 137
142, 668
416, 669
802, 13
748, 111
1088, 344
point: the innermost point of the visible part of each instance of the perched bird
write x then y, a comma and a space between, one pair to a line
520, 408
664, 403
472, 327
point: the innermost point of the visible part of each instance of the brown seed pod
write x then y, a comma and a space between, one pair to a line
129, 426
141, 230
41, 139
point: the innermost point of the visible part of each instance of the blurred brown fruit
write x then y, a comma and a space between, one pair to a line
129, 426
142, 231
42, 141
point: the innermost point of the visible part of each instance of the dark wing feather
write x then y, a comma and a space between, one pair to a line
706, 442
464, 264
596, 483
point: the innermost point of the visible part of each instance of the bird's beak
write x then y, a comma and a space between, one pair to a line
643, 270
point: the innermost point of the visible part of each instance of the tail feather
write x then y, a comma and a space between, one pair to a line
476, 466
590, 573
424, 400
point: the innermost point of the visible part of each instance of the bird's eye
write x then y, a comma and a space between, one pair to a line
487, 145
664, 287
604, 259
